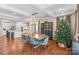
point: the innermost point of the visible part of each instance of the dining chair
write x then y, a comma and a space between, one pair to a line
33, 44
45, 42
33, 41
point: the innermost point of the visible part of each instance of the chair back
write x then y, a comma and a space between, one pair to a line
46, 40
31, 39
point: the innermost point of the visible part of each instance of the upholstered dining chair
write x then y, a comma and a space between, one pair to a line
45, 42
33, 44
33, 41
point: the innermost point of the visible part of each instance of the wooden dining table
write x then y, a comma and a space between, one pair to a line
36, 36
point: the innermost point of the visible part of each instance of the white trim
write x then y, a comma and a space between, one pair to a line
77, 34
8, 17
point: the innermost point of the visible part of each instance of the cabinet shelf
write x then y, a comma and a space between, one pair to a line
47, 29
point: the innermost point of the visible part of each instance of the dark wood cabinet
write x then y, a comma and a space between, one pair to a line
47, 29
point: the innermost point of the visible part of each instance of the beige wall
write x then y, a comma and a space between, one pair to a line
73, 21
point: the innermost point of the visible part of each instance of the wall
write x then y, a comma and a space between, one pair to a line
73, 21
54, 20
19, 25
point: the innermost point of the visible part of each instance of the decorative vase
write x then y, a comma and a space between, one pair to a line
61, 45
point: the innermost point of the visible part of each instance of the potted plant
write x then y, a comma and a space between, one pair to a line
63, 34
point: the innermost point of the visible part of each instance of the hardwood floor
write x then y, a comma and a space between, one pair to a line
18, 46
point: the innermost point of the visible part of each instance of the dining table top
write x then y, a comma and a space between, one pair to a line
36, 36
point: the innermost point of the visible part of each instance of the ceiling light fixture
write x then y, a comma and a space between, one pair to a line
34, 14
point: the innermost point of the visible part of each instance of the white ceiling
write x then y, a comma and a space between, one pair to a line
39, 10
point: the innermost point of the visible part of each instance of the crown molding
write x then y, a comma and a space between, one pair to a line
8, 17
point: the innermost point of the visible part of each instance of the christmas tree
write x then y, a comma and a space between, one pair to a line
63, 33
